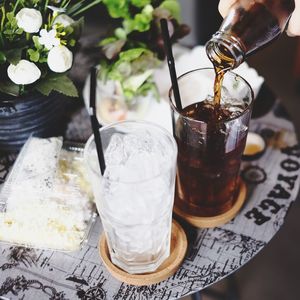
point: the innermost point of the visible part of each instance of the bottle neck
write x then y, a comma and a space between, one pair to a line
225, 51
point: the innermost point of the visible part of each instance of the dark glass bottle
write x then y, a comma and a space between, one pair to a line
249, 25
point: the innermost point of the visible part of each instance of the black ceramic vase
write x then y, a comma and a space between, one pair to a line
36, 114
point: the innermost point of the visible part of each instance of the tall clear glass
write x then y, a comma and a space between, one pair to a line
209, 148
136, 194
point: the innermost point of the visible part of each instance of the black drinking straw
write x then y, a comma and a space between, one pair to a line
94, 121
171, 63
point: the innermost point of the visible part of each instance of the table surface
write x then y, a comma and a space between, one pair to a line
272, 182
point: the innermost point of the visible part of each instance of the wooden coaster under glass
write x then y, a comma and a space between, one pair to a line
209, 222
165, 270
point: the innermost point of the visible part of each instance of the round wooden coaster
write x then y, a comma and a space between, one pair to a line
165, 270
209, 222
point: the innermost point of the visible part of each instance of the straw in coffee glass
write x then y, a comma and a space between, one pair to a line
171, 63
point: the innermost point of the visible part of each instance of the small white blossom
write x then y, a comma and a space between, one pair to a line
48, 38
64, 20
60, 59
25, 72
29, 19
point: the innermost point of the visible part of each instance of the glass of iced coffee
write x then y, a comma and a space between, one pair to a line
211, 138
135, 195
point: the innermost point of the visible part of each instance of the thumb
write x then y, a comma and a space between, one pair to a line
224, 6
294, 24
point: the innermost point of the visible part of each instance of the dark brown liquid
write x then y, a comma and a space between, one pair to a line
208, 169
209, 153
220, 73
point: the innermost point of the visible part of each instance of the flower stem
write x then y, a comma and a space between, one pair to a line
1, 40
65, 3
16, 5
21, 89
46, 6
80, 11
73, 8
2, 18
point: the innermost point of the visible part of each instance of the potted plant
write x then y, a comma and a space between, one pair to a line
37, 43
130, 55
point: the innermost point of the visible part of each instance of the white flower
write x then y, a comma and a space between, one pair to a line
60, 59
64, 20
48, 38
29, 19
25, 72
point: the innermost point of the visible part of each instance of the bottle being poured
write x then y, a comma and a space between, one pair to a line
249, 26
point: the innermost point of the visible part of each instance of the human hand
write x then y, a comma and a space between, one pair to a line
294, 24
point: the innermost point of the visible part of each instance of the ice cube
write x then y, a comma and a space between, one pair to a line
143, 166
139, 141
115, 154
234, 106
225, 94
135, 188
236, 130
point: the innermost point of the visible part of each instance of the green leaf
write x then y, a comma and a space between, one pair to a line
36, 42
57, 82
140, 3
13, 56
146, 61
19, 31
2, 58
128, 94
8, 31
114, 74
10, 88
128, 26
10, 16
132, 54
33, 55
14, 23
107, 41
124, 68
117, 8
72, 42
68, 30
134, 82
141, 21
173, 7
103, 70
149, 87
43, 59
120, 33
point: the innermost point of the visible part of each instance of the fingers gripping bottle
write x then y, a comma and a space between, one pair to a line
249, 25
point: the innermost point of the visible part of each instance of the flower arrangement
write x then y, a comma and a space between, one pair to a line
37, 43
135, 48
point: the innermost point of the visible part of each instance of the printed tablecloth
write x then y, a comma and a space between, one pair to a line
272, 182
